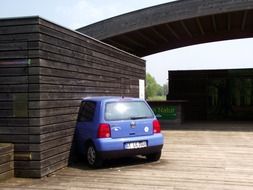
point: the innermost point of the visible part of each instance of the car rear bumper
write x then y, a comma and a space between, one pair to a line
131, 152
112, 148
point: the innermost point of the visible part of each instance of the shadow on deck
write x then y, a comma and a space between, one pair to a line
244, 126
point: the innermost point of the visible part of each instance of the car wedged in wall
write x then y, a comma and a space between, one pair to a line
113, 127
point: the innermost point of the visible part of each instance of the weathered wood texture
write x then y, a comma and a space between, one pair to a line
45, 71
210, 156
6, 161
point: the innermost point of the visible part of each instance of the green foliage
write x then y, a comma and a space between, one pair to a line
151, 86
159, 98
154, 91
165, 89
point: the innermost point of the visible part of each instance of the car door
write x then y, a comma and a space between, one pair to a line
86, 122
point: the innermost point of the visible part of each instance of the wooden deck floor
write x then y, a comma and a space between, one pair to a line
192, 159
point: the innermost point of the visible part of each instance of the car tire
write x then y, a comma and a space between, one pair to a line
154, 156
92, 157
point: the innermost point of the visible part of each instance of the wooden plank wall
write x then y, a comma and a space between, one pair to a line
62, 66
19, 45
6, 161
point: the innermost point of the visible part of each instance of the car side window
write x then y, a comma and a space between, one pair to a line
87, 111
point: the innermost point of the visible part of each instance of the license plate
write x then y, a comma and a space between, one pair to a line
135, 145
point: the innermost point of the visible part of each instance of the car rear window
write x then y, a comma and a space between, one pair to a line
125, 110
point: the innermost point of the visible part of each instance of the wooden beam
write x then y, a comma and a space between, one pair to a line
143, 36
214, 23
200, 26
172, 31
127, 38
228, 21
186, 29
161, 36
244, 20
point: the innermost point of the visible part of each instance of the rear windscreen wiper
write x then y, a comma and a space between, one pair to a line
138, 117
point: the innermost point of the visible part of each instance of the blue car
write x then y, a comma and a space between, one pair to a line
113, 127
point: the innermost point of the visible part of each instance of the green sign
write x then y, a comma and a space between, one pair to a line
165, 112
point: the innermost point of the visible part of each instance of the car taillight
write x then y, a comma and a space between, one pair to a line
156, 126
104, 130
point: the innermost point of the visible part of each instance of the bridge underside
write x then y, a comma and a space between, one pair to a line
175, 25
185, 33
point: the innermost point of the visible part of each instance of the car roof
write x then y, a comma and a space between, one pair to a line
110, 98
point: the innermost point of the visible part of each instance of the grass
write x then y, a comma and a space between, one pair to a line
161, 98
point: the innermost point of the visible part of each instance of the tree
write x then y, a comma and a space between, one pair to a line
151, 86
153, 89
165, 89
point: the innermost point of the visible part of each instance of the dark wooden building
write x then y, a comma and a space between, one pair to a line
45, 70
6, 161
214, 94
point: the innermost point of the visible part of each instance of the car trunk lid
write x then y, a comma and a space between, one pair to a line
131, 128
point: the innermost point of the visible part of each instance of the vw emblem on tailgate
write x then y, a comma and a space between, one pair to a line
132, 124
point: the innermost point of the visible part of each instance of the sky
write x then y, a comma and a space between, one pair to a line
74, 14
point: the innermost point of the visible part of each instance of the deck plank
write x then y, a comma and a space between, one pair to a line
191, 159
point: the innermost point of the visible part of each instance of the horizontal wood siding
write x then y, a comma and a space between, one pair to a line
6, 161
73, 66
59, 67
19, 46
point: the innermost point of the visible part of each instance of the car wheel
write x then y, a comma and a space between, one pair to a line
154, 157
92, 157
